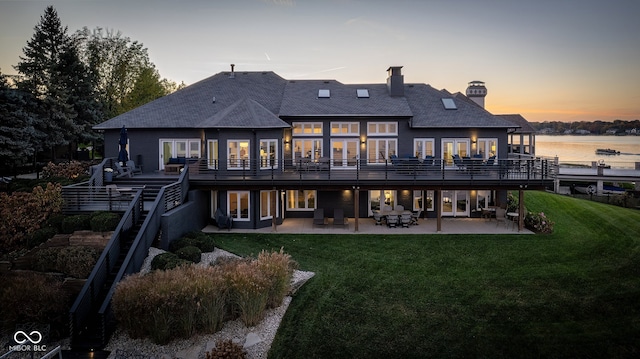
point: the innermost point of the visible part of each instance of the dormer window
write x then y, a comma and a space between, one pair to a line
449, 104
324, 93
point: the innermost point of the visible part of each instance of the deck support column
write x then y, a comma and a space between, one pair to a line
274, 217
356, 207
439, 214
520, 209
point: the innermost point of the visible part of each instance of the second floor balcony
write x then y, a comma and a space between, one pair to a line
325, 172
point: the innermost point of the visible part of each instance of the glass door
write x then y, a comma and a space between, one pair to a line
378, 199
455, 203
344, 153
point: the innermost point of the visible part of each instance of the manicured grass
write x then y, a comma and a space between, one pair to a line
575, 293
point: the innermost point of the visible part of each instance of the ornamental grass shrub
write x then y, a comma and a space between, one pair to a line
248, 291
278, 268
171, 304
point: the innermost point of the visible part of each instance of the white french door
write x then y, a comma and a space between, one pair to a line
454, 146
455, 203
344, 153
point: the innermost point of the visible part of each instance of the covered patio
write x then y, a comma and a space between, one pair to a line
368, 226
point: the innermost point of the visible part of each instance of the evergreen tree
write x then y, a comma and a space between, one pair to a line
42, 77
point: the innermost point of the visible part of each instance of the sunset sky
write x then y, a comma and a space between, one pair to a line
550, 60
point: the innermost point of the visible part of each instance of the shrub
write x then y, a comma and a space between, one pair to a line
40, 236
249, 291
196, 239
226, 349
104, 221
55, 221
190, 253
78, 222
166, 261
278, 268
22, 213
182, 301
74, 261
68, 170
33, 297
538, 222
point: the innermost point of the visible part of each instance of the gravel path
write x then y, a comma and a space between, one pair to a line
256, 340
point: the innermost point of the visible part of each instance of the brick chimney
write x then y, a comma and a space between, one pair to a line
395, 81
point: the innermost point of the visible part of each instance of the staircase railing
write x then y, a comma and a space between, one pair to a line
170, 196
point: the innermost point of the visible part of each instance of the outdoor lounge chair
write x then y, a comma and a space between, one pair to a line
459, 162
132, 166
415, 216
318, 217
223, 220
338, 217
123, 171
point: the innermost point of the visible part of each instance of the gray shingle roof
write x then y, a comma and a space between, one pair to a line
301, 99
525, 126
194, 105
429, 112
244, 113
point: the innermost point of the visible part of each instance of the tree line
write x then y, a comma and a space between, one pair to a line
66, 84
594, 127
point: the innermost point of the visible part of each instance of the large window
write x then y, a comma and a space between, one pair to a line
380, 150
172, 148
238, 205
483, 199
268, 154
382, 129
307, 148
379, 199
267, 198
423, 147
238, 154
454, 146
302, 200
212, 152
307, 128
487, 147
423, 200
345, 129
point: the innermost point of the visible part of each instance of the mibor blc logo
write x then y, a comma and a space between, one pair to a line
27, 342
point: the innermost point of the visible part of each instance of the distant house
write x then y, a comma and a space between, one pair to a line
261, 148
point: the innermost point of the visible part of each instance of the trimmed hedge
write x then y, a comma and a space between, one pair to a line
104, 221
190, 253
78, 222
196, 239
167, 261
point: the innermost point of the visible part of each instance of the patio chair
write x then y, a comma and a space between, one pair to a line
405, 220
223, 220
323, 163
458, 162
338, 217
122, 171
392, 220
501, 216
377, 217
114, 196
415, 216
318, 217
134, 169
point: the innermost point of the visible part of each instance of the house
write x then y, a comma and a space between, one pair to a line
262, 148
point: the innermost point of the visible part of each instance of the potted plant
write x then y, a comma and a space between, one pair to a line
108, 174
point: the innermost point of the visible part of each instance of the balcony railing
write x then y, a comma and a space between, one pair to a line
502, 171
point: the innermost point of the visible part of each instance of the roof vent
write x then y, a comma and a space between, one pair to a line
213, 100
233, 74
324, 93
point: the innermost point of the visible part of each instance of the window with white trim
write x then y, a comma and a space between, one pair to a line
452, 147
268, 154
345, 129
307, 128
423, 147
380, 149
212, 154
266, 199
306, 148
382, 129
238, 205
487, 147
301, 200
238, 154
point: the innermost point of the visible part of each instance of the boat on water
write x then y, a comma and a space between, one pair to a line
606, 151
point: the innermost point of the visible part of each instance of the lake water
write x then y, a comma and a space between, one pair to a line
582, 149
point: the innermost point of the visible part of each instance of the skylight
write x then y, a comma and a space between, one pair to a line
363, 93
449, 104
322, 93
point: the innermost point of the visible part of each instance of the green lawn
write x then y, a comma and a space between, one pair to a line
575, 293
